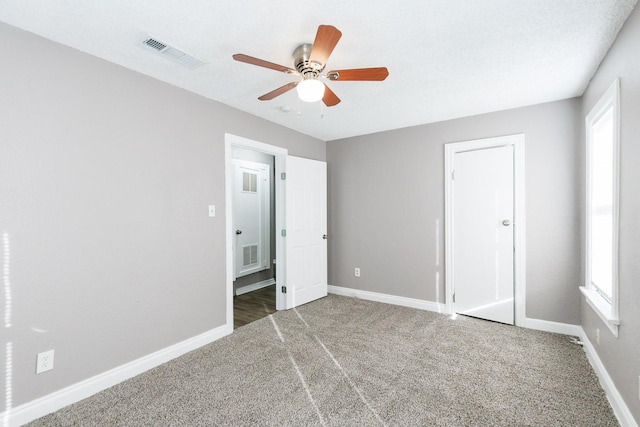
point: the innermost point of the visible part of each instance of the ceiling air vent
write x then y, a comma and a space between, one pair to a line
173, 54
155, 44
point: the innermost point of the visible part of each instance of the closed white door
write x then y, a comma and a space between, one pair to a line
483, 233
306, 228
251, 195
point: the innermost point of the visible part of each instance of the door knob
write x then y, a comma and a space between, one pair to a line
238, 231
506, 223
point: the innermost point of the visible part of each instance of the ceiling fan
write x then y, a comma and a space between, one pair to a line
309, 61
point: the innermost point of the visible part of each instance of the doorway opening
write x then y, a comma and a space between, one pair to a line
253, 206
254, 211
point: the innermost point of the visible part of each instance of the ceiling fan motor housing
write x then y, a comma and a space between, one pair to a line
308, 69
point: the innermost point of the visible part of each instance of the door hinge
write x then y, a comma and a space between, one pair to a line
453, 175
284, 289
283, 175
454, 297
283, 233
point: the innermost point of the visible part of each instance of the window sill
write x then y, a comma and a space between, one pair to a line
602, 309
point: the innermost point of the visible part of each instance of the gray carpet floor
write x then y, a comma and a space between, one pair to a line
344, 361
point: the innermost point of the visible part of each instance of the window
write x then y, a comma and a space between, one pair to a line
601, 263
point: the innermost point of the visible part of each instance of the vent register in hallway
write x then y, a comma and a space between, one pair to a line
249, 255
249, 182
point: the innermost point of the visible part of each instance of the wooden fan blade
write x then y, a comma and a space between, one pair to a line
278, 92
373, 74
262, 63
326, 39
330, 99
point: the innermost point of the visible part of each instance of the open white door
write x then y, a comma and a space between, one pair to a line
306, 228
483, 236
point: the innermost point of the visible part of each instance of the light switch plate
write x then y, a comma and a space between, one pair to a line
212, 210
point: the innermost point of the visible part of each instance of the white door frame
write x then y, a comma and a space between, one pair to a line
280, 155
517, 142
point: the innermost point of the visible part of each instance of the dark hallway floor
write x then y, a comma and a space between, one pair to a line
254, 305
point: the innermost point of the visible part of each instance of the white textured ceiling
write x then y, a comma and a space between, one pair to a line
446, 58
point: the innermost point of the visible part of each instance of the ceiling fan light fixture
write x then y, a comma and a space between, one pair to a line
310, 90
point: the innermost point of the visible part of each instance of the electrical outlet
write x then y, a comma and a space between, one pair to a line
356, 272
212, 211
598, 336
44, 362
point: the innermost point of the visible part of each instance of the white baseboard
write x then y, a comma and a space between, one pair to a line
620, 408
57, 400
389, 299
255, 286
547, 326
540, 325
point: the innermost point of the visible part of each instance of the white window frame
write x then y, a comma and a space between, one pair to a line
608, 311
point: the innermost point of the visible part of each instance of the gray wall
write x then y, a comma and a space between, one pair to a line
105, 178
621, 356
386, 207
